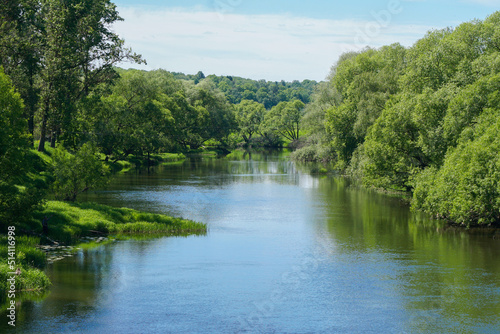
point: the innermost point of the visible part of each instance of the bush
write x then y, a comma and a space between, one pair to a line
76, 173
15, 202
466, 190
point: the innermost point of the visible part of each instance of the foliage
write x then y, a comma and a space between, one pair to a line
21, 38
76, 173
17, 194
135, 116
284, 119
466, 189
13, 137
249, 115
267, 93
410, 120
364, 82
58, 52
221, 121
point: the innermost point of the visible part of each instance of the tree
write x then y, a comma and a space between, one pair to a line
21, 43
284, 119
199, 76
76, 173
466, 190
80, 53
249, 115
363, 83
15, 201
221, 121
136, 116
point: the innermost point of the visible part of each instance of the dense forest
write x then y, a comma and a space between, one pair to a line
268, 93
422, 119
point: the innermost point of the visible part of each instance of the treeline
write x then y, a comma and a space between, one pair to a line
61, 89
56, 58
268, 93
424, 119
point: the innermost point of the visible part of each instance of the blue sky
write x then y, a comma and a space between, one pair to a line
278, 39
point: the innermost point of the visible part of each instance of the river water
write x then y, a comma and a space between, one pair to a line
287, 252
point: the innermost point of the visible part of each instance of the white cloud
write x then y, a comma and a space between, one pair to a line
271, 47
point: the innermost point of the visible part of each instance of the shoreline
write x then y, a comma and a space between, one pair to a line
70, 227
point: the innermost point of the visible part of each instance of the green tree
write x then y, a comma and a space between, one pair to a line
135, 117
466, 189
76, 173
80, 52
21, 43
16, 200
363, 83
249, 115
221, 121
284, 119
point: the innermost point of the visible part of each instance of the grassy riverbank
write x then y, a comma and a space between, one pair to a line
68, 224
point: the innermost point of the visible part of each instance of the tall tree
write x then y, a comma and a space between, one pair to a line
249, 115
14, 161
284, 119
21, 43
80, 52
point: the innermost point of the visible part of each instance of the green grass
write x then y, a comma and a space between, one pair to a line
68, 223
71, 221
203, 152
171, 157
30, 260
154, 159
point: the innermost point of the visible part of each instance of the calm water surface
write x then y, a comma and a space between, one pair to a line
286, 252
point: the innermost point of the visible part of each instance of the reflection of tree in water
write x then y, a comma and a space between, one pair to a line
446, 279
84, 284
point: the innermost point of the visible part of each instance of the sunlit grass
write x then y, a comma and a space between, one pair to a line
71, 221
29, 260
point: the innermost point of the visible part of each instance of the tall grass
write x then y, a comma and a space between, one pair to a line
27, 255
29, 259
70, 221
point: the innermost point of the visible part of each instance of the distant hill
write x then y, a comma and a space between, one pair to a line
269, 93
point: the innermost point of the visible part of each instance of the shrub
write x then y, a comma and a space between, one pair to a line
466, 190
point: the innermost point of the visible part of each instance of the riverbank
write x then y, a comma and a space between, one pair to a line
71, 224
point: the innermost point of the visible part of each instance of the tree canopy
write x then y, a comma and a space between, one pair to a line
414, 118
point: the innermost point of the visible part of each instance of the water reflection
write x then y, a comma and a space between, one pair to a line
287, 252
447, 278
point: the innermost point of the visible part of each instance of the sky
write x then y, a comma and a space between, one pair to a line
278, 40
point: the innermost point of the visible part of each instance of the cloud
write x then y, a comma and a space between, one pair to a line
271, 47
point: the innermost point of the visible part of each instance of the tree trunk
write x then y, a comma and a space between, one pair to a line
31, 128
41, 145
53, 140
31, 104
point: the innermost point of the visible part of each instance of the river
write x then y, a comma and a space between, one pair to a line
287, 252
